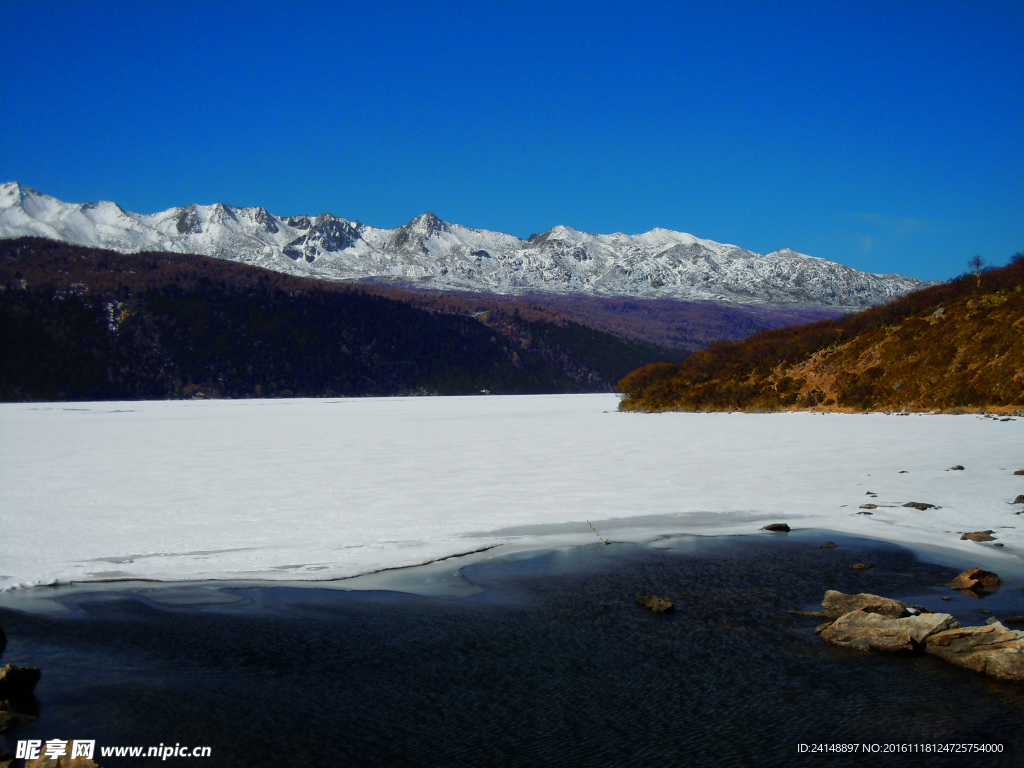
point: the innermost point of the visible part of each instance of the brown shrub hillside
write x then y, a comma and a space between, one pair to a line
957, 345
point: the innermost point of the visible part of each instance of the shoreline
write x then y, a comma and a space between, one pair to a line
1015, 411
443, 577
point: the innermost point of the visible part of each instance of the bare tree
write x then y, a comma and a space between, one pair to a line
976, 263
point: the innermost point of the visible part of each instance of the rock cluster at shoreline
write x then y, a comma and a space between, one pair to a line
18, 707
873, 623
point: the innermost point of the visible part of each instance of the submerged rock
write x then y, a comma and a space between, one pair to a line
993, 649
974, 578
18, 706
17, 683
656, 604
920, 505
9, 719
15, 718
867, 631
776, 527
869, 506
955, 467
815, 614
827, 545
978, 536
860, 566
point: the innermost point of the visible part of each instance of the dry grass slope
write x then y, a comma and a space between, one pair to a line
954, 346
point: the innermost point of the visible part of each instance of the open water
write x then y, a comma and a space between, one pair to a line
551, 663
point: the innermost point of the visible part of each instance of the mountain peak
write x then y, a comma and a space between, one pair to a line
430, 252
556, 233
10, 194
428, 223
789, 253
419, 229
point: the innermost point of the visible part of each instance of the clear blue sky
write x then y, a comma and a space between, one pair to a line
888, 136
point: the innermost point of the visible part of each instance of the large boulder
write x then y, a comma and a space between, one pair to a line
974, 578
837, 603
866, 631
992, 649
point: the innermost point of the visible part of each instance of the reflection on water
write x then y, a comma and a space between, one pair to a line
551, 663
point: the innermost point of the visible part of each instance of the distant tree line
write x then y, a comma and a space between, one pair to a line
80, 323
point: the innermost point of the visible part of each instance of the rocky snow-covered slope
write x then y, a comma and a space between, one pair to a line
436, 254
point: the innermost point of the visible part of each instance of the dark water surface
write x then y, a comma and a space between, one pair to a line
552, 665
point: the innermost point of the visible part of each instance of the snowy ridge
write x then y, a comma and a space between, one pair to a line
433, 253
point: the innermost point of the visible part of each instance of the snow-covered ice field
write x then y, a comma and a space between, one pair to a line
319, 489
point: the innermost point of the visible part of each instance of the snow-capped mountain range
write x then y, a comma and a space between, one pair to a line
432, 253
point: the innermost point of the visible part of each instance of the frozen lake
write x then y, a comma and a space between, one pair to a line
318, 489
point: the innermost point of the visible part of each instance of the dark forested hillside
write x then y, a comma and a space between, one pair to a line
958, 345
79, 323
